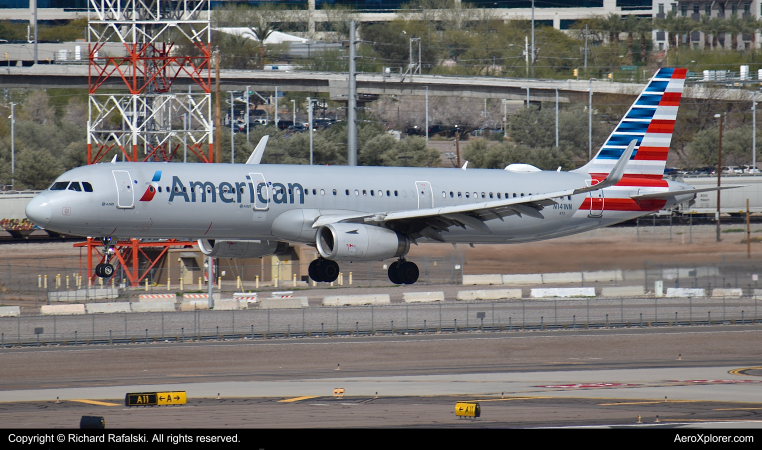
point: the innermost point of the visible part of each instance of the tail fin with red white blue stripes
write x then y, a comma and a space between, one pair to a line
650, 121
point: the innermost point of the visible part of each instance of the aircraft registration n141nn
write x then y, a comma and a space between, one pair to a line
372, 213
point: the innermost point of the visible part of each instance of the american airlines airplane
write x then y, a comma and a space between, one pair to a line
372, 213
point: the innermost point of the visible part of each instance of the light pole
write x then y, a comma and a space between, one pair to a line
556, 117
293, 112
754, 132
590, 120
232, 129
309, 113
13, 147
719, 172
247, 114
427, 115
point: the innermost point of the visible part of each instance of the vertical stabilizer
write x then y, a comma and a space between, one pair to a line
650, 121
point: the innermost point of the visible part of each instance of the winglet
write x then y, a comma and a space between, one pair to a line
616, 173
113, 161
256, 155
465, 165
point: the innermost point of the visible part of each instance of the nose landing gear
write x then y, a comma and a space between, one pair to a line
105, 270
324, 270
403, 272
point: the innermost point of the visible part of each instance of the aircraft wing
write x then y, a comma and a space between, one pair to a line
429, 222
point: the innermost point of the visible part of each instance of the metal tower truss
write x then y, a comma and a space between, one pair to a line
163, 40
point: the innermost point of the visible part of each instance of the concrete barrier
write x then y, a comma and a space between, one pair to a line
564, 277
758, 292
10, 311
62, 310
152, 306
158, 298
732, 293
562, 292
603, 275
193, 305
248, 297
633, 275
356, 300
82, 295
623, 291
685, 292
489, 294
103, 308
417, 297
483, 279
283, 303
528, 278
229, 304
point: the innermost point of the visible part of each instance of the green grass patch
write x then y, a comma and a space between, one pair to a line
734, 230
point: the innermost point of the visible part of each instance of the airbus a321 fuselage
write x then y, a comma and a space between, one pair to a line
372, 213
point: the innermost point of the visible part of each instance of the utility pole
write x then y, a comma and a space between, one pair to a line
590, 120
719, 172
33, 4
276, 107
293, 112
352, 103
754, 132
585, 48
532, 38
247, 114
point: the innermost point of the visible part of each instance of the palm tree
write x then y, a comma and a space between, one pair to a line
630, 25
704, 26
716, 27
613, 25
735, 27
262, 28
750, 27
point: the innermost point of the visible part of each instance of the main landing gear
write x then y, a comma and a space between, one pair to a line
105, 270
403, 272
324, 270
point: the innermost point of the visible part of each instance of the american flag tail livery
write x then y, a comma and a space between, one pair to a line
650, 121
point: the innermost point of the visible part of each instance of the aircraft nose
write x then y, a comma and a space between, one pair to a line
38, 210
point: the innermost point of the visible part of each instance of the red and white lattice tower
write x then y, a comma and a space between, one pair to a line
163, 40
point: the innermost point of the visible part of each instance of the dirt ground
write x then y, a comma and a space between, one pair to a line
621, 247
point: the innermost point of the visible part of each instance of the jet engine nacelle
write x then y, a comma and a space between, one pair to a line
359, 242
241, 249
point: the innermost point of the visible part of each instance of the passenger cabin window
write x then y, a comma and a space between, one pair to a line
334, 192
347, 191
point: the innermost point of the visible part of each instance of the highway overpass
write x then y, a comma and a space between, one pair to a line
369, 85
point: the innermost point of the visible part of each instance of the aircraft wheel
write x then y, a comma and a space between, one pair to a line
314, 271
107, 270
408, 272
394, 273
330, 270
99, 270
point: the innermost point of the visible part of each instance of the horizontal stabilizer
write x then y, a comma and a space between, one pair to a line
667, 194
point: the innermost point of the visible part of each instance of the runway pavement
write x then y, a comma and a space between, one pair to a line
686, 375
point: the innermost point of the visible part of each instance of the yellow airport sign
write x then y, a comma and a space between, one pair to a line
155, 398
171, 398
338, 392
467, 409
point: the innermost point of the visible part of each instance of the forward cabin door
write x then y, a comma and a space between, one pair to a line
125, 189
425, 194
261, 192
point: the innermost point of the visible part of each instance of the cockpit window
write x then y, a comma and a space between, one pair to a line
88, 187
59, 186
74, 186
